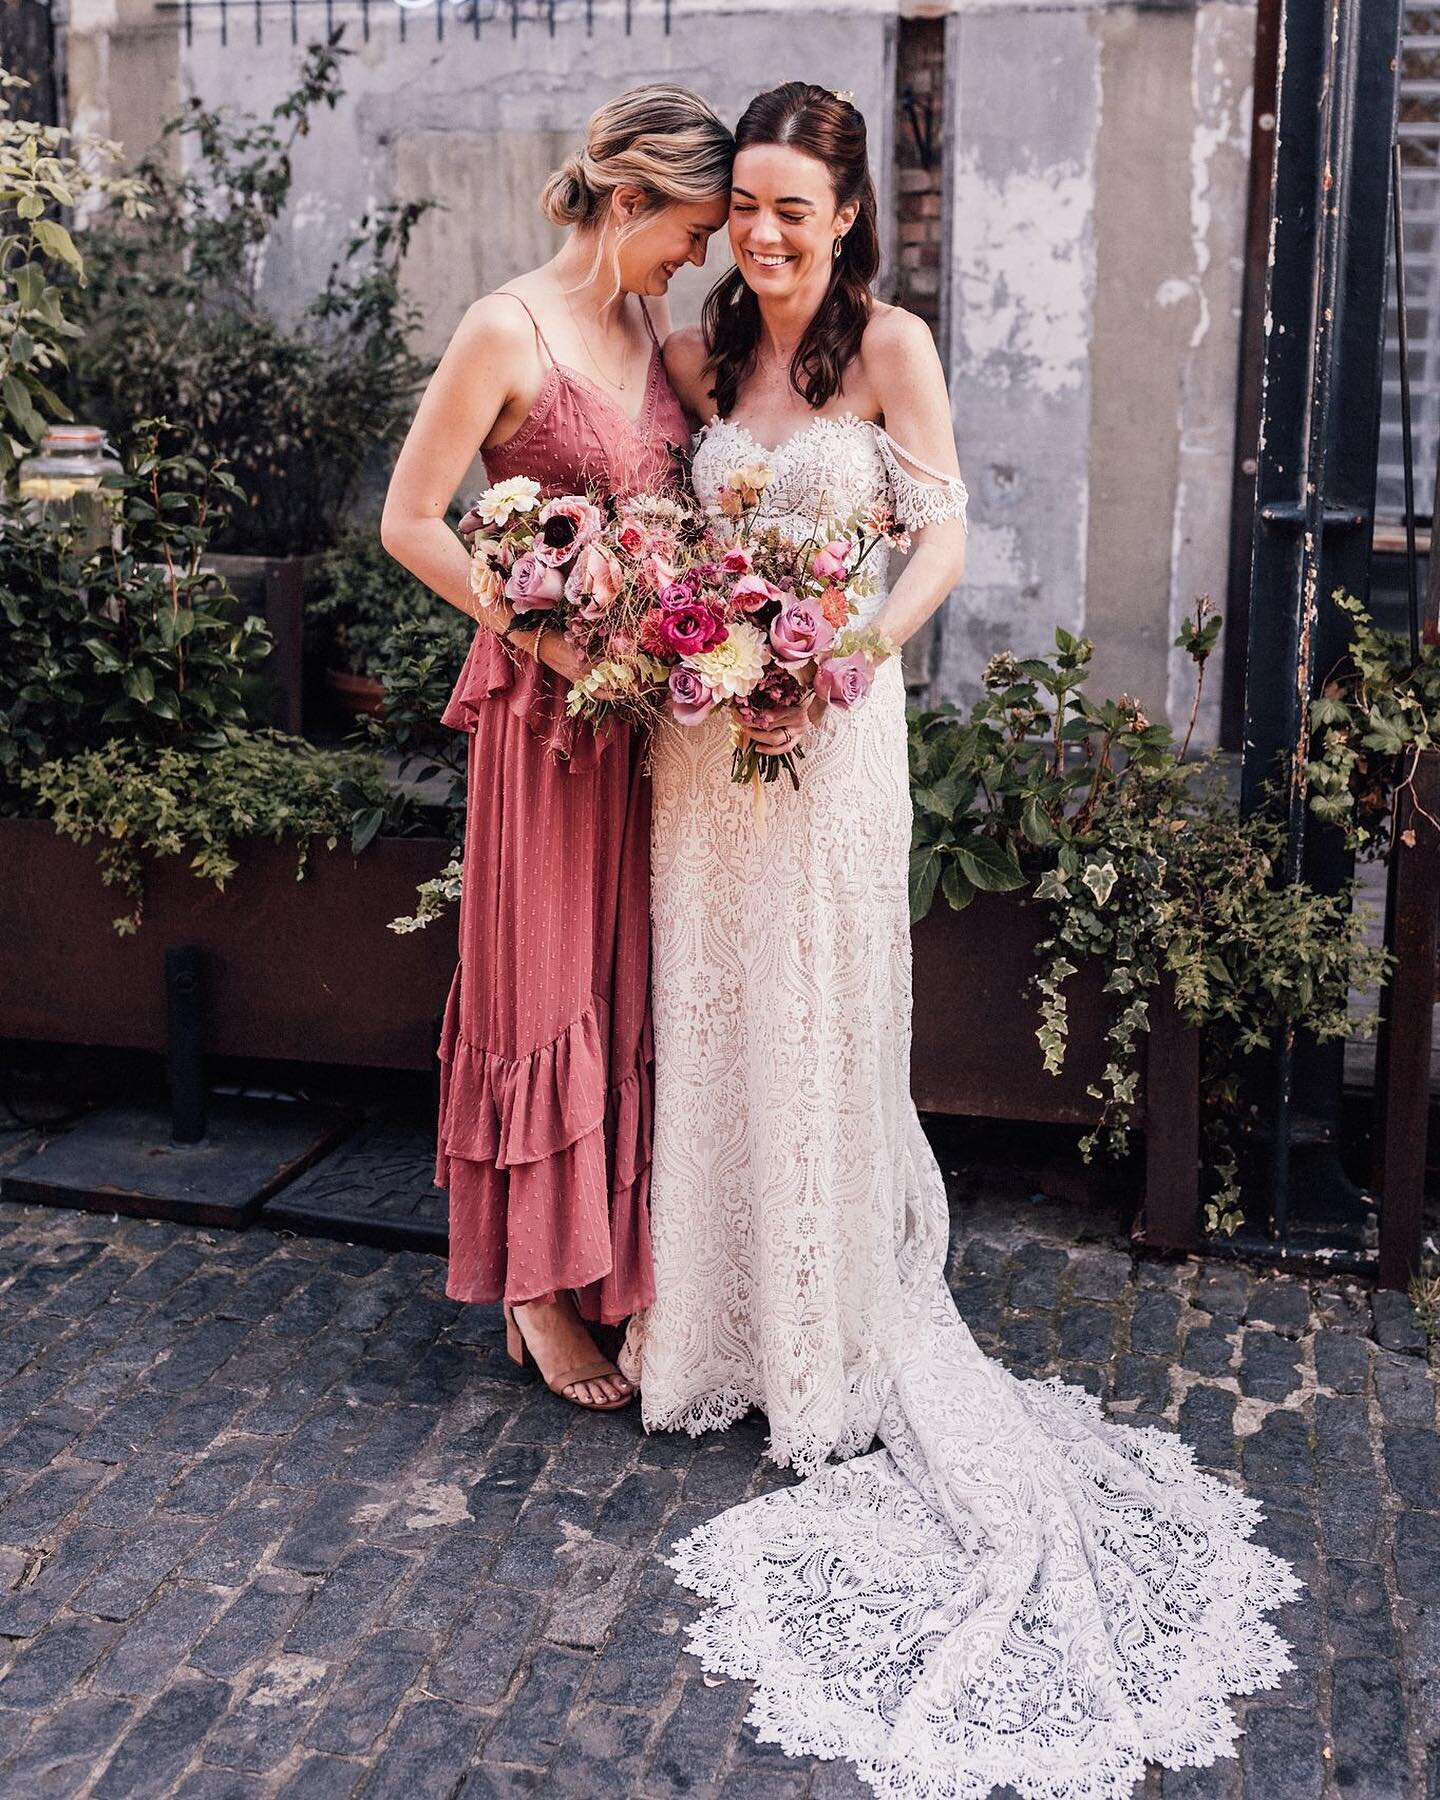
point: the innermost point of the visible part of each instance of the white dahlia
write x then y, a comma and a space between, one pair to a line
733, 667
498, 504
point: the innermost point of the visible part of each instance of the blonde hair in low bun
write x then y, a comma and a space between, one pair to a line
565, 198
663, 140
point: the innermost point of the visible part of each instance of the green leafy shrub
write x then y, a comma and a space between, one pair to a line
131, 639
175, 326
1144, 863
1373, 716
42, 168
202, 803
358, 596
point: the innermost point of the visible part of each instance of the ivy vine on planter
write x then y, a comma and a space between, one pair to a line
1374, 714
1144, 862
200, 803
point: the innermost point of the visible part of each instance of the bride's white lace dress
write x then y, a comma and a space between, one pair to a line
1014, 1589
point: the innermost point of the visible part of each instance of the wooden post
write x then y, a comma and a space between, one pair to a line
1402, 1058
1172, 1127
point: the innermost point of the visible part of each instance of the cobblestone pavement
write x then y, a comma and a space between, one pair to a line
276, 1518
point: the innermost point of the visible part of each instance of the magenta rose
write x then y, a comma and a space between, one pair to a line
533, 587
844, 681
828, 562
565, 526
689, 630
800, 631
690, 699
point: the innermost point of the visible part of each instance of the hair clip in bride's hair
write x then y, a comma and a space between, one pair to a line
845, 95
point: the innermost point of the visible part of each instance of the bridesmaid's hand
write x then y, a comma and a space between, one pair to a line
558, 653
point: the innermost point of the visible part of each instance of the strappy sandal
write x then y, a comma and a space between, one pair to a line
599, 1370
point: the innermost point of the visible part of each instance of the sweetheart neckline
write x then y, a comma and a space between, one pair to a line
845, 418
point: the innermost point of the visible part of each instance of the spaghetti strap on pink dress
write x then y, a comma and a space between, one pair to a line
545, 1105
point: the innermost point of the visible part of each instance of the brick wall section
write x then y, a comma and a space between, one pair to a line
920, 71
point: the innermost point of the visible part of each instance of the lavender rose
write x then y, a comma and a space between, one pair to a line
690, 698
844, 681
800, 631
532, 586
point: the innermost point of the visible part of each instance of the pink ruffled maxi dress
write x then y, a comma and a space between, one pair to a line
545, 1100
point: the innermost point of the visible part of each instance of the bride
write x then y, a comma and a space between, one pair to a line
1013, 1590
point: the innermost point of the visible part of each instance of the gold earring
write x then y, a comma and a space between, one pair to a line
838, 242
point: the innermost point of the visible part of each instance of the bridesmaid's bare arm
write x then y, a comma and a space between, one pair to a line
489, 375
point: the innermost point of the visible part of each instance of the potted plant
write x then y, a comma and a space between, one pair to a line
128, 758
176, 327
356, 596
1095, 874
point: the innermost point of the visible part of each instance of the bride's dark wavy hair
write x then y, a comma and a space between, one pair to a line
820, 123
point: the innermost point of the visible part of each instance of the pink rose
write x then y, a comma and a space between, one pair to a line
844, 681
689, 630
751, 592
564, 526
800, 631
690, 699
678, 593
657, 572
533, 587
597, 577
631, 537
828, 562
737, 560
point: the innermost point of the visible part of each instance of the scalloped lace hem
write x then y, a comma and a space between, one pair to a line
1016, 1591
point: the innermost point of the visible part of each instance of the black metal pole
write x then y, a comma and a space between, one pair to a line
1315, 480
184, 1042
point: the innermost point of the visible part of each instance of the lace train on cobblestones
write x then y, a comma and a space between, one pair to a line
1015, 1590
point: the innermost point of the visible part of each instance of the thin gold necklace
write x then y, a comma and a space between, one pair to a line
610, 380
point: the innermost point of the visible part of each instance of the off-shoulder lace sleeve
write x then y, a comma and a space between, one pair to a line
919, 503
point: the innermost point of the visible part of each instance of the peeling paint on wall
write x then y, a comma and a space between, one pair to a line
1222, 97
1022, 289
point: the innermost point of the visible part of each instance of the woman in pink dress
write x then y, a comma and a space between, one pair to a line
544, 1135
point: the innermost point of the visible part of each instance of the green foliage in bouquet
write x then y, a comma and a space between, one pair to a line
175, 326
42, 169
133, 639
200, 803
1144, 863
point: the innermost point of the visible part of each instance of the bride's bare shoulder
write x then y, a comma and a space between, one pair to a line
897, 346
687, 363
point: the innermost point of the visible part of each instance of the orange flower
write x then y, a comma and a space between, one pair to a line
835, 606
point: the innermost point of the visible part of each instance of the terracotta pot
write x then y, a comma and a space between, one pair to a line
357, 694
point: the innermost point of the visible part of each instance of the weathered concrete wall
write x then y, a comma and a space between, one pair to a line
480, 124
1099, 157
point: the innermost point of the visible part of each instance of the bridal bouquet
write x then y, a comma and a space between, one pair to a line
682, 613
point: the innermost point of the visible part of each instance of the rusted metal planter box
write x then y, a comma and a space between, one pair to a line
975, 1052
300, 970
